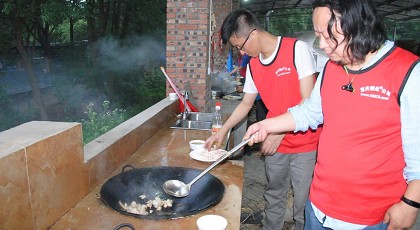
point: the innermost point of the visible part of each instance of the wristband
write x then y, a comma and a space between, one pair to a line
410, 202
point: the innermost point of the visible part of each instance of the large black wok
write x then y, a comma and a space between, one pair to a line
129, 185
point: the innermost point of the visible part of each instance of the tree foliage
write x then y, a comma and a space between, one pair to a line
406, 30
288, 21
75, 37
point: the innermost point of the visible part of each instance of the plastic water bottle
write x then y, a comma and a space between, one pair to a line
217, 119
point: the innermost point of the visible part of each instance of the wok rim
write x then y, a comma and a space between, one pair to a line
173, 215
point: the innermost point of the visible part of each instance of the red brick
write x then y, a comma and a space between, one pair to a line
203, 4
170, 15
186, 27
187, 43
199, 21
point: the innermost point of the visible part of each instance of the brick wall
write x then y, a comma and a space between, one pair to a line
221, 9
190, 51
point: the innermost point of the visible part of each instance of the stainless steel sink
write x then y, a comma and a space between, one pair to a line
196, 125
197, 116
194, 120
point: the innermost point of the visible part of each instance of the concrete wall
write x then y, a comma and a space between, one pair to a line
45, 170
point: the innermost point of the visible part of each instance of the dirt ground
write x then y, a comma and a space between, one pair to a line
254, 183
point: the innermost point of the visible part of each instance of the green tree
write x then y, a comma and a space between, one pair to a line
20, 14
80, 75
407, 30
76, 13
288, 21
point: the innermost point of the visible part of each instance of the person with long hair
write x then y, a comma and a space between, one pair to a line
367, 174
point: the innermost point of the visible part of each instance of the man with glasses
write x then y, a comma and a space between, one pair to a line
282, 72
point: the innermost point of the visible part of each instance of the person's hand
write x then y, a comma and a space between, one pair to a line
214, 140
271, 144
259, 131
400, 216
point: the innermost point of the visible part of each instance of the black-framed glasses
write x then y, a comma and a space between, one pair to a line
242, 46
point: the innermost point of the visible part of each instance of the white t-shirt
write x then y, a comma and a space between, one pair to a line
305, 64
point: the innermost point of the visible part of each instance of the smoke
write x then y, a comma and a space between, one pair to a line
223, 82
131, 53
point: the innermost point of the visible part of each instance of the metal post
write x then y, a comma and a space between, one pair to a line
267, 19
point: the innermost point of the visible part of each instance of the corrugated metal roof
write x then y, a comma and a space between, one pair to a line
400, 10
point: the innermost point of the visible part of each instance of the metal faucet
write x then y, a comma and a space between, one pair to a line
184, 114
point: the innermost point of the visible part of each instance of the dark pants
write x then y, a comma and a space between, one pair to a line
261, 110
281, 170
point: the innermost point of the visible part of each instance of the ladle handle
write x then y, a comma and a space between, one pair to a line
236, 148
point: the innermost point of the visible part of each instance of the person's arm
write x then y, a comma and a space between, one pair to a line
238, 114
236, 69
306, 86
272, 141
401, 215
299, 118
304, 61
280, 124
311, 115
410, 112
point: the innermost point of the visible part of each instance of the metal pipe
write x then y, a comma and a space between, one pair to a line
267, 19
184, 114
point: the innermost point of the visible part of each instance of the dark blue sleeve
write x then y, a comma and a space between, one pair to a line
245, 60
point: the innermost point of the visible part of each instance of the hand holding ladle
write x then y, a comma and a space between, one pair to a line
178, 188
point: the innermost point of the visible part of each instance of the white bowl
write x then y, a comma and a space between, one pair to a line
212, 222
197, 144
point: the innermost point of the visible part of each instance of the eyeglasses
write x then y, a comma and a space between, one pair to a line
242, 46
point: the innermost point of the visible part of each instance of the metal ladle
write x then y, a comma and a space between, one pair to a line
178, 188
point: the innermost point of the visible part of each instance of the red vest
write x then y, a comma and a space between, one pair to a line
359, 169
278, 86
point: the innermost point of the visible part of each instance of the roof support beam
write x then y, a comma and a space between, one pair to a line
402, 10
272, 6
408, 8
297, 3
385, 3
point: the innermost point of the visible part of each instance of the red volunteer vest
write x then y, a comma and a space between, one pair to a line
359, 169
278, 86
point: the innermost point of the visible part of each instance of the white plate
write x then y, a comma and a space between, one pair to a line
231, 97
204, 155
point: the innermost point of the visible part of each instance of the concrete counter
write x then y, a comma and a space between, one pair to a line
166, 148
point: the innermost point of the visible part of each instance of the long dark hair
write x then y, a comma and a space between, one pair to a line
239, 22
362, 27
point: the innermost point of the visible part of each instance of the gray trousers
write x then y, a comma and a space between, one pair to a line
281, 169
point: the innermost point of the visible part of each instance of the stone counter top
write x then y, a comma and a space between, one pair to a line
166, 148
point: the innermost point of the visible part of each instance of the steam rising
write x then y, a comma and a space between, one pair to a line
131, 53
223, 82
116, 56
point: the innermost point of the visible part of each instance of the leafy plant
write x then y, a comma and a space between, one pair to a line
99, 123
142, 88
